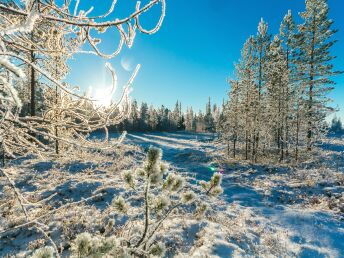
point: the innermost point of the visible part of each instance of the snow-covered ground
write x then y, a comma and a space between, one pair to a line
265, 210
305, 204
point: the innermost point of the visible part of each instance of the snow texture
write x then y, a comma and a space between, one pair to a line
265, 211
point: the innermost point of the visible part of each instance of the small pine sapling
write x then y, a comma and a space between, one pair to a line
213, 188
162, 194
44, 252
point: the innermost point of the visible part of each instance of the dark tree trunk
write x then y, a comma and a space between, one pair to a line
297, 134
32, 86
234, 147
246, 145
310, 93
57, 117
2, 155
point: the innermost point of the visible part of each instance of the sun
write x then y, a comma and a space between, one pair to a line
103, 96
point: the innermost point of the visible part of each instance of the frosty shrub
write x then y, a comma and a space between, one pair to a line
153, 196
213, 187
86, 245
158, 250
44, 252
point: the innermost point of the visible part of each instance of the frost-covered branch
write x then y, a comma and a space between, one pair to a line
41, 36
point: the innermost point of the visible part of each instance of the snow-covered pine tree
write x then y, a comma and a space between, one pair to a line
287, 36
262, 41
283, 84
189, 120
134, 116
234, 121
164, 119
314, 63
177, 120
277, 96
216, 112
144, 117
162, 196
248, 96
336, 126
181, 120
200, 125
220, 126
208, 117
153, 119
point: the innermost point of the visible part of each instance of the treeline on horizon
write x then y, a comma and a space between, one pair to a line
145, 118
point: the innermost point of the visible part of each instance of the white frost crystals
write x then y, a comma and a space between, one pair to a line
26, 27
8, 94
36, 40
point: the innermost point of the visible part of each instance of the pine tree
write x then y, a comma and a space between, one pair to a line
336, 126
175, 116
262, 41
189, 120
314, 61
277, 97
248, 96
200, 122
208, 118
134, 116
144, 117
233, 121
153, 119
216, 113
288, 40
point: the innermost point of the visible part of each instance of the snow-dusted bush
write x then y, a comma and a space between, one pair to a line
44, 252
153, 195
162, 193
86, 245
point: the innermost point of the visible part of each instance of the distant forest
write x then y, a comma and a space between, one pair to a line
336, 127
145, 118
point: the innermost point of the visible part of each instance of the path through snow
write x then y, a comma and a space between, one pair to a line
316, 233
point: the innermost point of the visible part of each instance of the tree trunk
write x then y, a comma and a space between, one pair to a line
310, 93
256, 152
297, 134
287, 108
57, 117
2, 155
310, 116
56, 141
32, 86
287, 112
260, 82
146, 215
228, 148
246, 145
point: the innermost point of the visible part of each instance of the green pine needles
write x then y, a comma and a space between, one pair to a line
161, 195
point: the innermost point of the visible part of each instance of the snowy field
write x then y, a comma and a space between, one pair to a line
265, 211
305, 205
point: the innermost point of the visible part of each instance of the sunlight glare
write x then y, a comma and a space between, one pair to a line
103, 96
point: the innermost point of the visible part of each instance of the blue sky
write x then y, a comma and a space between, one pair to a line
193, 54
